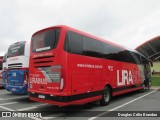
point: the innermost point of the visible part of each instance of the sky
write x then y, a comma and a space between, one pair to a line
125, 22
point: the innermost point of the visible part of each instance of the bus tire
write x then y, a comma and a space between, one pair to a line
106, 96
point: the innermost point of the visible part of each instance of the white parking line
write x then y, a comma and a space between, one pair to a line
28, 108
13, 98
92, 118
3, 93
8, 109
41, 104
34, 118
48, 118
9, 103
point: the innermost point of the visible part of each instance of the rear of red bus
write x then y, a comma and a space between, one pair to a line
47, 67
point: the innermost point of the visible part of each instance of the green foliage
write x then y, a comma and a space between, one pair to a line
155, 81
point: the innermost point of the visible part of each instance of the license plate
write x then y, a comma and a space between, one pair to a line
14, 89
41, 96
14, 74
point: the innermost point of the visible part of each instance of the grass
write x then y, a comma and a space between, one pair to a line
155, 81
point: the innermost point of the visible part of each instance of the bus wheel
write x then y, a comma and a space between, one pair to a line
106, 96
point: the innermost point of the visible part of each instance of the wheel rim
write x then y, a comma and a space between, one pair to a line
106, 95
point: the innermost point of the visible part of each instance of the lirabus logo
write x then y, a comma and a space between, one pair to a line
124, 77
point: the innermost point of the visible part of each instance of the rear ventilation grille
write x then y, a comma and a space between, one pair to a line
43, 57
16, 65
41, 62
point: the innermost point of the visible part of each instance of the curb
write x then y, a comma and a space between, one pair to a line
155, 87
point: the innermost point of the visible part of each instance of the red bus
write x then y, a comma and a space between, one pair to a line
70, 67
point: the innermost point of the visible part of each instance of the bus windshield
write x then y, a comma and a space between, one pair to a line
16, 49
45, 41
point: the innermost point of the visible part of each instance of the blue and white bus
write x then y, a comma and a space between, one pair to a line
18, 66
4, 73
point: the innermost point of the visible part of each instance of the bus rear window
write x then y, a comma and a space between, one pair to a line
16, 49
45, 41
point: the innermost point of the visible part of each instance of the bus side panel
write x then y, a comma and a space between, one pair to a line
81, 83
110, 68
97, 75
80, 76
87, 74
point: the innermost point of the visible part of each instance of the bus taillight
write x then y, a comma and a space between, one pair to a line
61, 83
25, 79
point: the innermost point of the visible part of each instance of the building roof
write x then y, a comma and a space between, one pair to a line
151, 49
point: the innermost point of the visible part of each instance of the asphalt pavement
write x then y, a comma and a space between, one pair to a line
148, 101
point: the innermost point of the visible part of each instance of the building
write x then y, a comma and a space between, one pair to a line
151, 49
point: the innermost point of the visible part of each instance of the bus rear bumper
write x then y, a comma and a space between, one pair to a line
18, 89
49, 102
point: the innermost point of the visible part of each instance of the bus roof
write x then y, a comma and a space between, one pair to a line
83, 33
17, 42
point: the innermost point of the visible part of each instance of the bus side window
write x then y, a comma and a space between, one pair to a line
92, 47
110, 51
136, 58
73, 43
